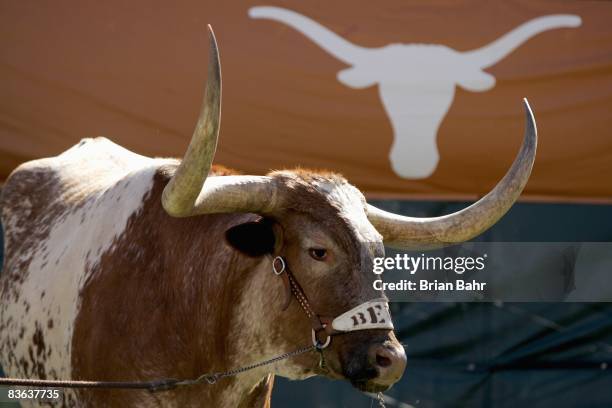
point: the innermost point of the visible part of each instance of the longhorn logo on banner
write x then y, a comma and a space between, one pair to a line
416, 82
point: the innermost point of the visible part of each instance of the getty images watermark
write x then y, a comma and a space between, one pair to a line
498, 271
413, 264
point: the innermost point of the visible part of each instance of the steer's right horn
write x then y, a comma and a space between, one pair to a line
411, 233
189, 191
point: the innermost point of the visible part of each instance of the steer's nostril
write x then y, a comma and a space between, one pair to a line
389, 361
383, 361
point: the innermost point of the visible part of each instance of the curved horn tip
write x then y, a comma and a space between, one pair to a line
526, 102
211, 35
528, 110
531, 123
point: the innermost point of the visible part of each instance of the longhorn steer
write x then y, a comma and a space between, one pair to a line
123, 267
416, 82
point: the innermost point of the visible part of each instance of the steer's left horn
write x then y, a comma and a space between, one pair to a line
411, 233
190, 192
183, 189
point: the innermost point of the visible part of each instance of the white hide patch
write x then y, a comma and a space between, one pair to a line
100, 186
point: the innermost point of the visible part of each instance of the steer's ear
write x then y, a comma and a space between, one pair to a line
254, 238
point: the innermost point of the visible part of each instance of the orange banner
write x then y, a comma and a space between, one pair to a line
405, 98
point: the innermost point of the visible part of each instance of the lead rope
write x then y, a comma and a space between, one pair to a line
322, 362
381, 400
214, 377
209, 378
156, 385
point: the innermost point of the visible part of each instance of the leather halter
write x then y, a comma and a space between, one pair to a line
373, 314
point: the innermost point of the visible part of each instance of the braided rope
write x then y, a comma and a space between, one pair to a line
299, 295
155, 385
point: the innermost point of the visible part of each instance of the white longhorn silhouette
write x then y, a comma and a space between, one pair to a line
416, 82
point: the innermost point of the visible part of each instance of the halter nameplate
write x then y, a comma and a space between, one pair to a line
373, 314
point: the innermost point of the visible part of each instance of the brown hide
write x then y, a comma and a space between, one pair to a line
159, 305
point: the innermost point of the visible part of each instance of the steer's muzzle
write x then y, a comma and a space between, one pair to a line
389, 359
372, 363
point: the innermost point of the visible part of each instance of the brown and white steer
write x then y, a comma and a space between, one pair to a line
123, 267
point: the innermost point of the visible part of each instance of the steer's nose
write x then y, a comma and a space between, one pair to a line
389, 360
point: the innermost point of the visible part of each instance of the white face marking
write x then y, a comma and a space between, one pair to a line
351, 203
93, 185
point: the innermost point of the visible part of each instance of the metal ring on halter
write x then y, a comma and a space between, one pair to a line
278, 258
211, 379
317, 343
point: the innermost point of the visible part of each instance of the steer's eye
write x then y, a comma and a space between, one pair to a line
318, 254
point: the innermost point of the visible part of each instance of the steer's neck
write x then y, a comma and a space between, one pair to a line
229, 296
252, 337
258, 330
